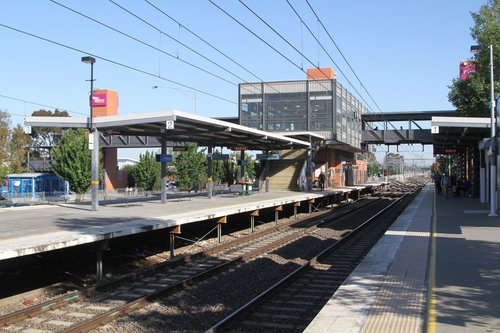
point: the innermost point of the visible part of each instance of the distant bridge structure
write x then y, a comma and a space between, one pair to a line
389, 134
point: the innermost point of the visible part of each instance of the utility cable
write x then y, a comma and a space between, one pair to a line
262, 40
329, 56
39, 104
298, 51
204, 41
342, 54
177, 41
180, 43
143, 43
115, 62
256, 36
289, 44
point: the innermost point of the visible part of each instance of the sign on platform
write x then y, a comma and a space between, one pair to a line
91, 141
164, 158
435, 130
267, 156
170, 124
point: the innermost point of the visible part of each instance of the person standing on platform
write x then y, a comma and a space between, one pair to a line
437, 182
321, 181
445, 183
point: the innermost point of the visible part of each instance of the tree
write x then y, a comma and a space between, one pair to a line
224, 171
18, 143
373, 166
4, 143
228, 171
4, 140
46, 137
147, 171
218, 173
73, 160
191, 168
130, 170
471, 97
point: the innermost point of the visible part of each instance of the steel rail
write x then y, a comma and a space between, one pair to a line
58, 302
289, 277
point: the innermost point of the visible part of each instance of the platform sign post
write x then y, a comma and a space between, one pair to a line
94, 183
210, 182
163, 158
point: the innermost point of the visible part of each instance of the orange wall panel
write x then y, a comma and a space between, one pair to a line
105, 103
321, 73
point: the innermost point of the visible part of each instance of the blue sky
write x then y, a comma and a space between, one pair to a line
405, 53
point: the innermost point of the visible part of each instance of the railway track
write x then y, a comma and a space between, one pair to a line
93, 307
130, 292
292, 303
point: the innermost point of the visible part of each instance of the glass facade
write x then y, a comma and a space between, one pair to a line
321, 106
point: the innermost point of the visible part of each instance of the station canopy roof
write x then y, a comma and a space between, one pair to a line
178, 126
303, 136
457, 133
406, 115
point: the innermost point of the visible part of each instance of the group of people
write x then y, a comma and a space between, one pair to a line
446, 184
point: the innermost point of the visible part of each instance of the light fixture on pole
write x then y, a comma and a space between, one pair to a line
181, 90
91, 61
94, 137
493, 157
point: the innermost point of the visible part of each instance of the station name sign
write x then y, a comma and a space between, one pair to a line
164, 158
239, 148
267, 156
99, 100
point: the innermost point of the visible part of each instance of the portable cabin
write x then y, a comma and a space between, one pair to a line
33, 185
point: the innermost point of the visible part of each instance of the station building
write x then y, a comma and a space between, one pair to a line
319, 105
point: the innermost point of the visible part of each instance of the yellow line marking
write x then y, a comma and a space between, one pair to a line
431, 299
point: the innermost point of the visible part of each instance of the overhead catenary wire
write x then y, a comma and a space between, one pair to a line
257, 36
115, 62
204, 41
327, 53
183, 44
265, 42
144, 43
342, 54
297, 50
39, 104
176, 40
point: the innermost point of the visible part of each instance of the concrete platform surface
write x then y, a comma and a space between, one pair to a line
33, 229
436, 270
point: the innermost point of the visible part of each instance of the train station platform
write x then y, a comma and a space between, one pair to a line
436, 270
30, 230
34, 229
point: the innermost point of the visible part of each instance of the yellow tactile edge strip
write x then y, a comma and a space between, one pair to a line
431, 300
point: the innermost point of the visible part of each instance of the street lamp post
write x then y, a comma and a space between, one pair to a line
95, 139
493, 158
